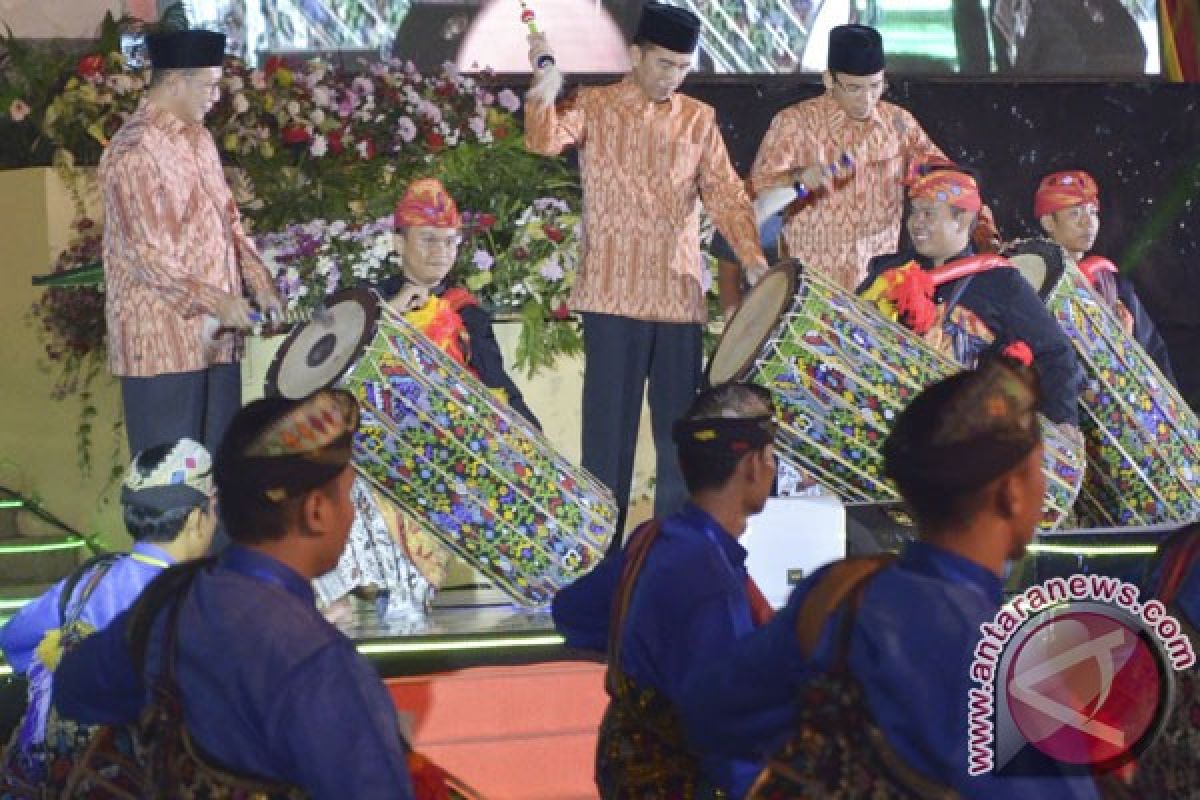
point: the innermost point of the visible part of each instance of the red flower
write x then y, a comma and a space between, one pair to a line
368, 151
336, 145
499, 132
1019, 351
444, 89
552, 233
485, 221
295, 134
561, 312
90, 67
274, 63
434, 140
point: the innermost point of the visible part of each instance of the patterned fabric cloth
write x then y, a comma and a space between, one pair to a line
375, 558
645, 168
838, 233
173, 242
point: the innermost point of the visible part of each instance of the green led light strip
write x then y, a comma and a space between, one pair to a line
394, 648
48, 547
5, 670
13, 603
1094, 550
12, 504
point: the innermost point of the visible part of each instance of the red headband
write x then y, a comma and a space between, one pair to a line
1060, 190
427, 204
957, 189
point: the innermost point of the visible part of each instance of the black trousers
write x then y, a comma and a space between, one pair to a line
199, 405
620, 355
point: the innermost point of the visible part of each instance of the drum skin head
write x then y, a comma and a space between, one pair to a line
1040, 261
320, 352
753, 323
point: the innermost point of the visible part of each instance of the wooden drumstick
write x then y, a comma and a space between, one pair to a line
845, 161
529, 18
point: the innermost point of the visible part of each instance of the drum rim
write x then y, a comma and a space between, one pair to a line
371, 302
1055, 269
792, 269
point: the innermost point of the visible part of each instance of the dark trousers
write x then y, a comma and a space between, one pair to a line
620, 354
199, 405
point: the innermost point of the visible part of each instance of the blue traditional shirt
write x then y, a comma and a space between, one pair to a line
911, 648
688, 606
269, 688
116, 591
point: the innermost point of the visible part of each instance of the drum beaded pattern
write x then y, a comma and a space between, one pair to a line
475, 474
1143, 442
840, 373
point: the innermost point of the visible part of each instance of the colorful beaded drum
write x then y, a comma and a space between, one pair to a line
476, 474
840, 373
1143, 441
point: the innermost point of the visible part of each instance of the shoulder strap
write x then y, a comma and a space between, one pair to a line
841, 585
169, 587
971, 265
94, 569
635, 558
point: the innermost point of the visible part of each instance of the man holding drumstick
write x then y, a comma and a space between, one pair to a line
648, 155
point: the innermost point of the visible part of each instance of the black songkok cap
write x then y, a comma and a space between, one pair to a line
186, 49
855, 50
965, 431
674, 28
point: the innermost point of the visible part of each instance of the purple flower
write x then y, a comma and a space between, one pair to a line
482, 260
508, 100
551, 270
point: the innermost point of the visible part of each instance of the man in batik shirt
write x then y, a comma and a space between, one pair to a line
177, 262
648, 157
1067, 206
847, 152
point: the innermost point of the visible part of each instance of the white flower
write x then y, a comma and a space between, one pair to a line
258, 79
319, 146
452, 139
406, 129
240, 104
322, 97
508, 100
234, 83
363, 149
293, 108
317, 116
551, 270
478, 126
482, 260
337, 227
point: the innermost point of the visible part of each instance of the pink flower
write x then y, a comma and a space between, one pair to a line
18, 109
508, 100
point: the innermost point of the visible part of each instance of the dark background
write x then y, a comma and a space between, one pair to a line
1140, 141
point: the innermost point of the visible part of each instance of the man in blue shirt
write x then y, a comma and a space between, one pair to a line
966, 456
268, 690
167, 500
683, 598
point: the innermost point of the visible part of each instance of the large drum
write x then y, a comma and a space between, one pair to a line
840, 373
1143, 441
438, 443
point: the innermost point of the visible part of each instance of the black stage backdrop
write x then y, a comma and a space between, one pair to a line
1140, 141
